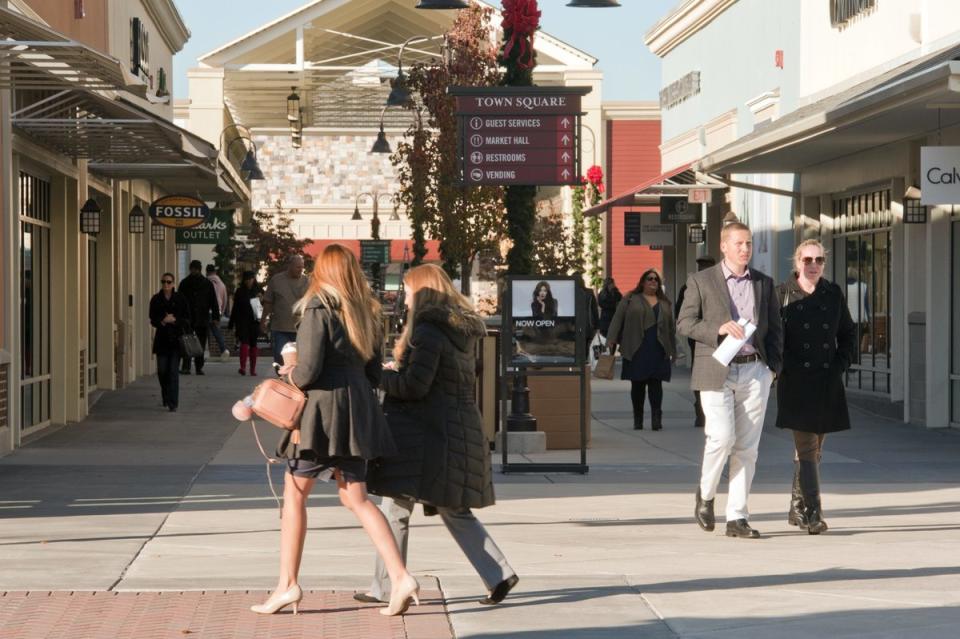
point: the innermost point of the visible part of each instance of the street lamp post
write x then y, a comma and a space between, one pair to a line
250, 166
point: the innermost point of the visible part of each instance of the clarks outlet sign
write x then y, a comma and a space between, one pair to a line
940, 175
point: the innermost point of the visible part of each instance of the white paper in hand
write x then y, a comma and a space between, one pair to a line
729, 348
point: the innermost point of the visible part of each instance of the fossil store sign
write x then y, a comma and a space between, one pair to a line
179, 211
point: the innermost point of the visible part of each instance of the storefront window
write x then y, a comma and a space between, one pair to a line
862, 263
34, 301
92, 313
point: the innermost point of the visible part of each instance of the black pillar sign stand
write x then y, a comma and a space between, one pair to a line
542, 335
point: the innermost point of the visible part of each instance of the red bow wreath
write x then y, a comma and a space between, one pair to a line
595, 177
521, 18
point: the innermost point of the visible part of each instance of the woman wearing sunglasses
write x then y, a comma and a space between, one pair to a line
819, 346
644, 328
170, 315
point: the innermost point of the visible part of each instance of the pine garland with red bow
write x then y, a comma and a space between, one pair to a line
521, 19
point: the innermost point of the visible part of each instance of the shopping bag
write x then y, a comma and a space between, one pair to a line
604, 367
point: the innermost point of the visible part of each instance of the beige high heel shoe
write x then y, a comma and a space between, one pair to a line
272, 605
401, 595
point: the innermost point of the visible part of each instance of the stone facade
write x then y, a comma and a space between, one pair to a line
329, 170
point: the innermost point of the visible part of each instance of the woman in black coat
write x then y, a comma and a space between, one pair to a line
444, 460
543, 306
608, 298
170, 315
245, 323
819, 346
342, 427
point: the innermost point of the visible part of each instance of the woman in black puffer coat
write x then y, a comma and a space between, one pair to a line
444, 459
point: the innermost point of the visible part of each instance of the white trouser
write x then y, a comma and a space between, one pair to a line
734, 422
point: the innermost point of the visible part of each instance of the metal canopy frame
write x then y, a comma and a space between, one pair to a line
677, 182
33, 56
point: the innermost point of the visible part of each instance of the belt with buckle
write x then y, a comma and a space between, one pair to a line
745, 359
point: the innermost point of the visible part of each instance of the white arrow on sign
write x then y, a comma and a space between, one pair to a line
566, 174
565, 123
565, 139
565, 157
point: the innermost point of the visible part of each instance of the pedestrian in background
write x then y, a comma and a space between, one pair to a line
608, 299
444, 458
643, 327
342, 427
734, 396
704, 261
284, 290
170, 315
204, 309
244, 323
819, 345
220, 289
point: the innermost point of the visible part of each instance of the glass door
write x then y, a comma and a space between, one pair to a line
35, 360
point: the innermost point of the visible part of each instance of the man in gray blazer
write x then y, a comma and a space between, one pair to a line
734, 397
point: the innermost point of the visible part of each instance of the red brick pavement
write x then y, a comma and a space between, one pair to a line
210, 615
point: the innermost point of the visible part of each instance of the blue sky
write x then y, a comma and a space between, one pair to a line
615, 36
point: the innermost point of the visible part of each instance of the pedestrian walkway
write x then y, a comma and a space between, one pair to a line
139, 500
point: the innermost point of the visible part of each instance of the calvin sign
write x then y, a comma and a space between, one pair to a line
519, 135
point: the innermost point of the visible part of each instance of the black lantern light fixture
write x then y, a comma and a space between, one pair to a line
593, 4
399, 91
158, 232
443, 4
913, 211
90, 217
250, 166
136, 221
293, 105
381, 145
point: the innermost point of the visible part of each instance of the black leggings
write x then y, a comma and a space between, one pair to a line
638, 391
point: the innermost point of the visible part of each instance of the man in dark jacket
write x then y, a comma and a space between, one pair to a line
204, 308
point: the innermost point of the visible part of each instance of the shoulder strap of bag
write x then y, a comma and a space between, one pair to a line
270, 460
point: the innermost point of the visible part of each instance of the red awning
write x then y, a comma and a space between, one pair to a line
674, 182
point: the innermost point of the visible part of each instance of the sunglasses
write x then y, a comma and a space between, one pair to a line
652, 278
810, 260
166, 281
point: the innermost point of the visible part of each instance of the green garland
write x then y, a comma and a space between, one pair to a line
576, 241
595, 242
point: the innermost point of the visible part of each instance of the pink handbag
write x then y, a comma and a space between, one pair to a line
279, 402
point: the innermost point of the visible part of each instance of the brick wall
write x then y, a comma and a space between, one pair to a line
633, 157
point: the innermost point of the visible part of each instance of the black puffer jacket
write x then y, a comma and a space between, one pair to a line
444, 458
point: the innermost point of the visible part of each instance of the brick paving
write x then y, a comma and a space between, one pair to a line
210, 615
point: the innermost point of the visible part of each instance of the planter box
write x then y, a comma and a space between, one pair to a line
555, 402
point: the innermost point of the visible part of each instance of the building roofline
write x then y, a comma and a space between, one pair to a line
685, 20
168, 19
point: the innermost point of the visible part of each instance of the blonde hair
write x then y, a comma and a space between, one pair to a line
802, 245
429, 285
339, 283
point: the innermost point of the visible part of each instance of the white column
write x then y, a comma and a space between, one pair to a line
9, 287
938, 317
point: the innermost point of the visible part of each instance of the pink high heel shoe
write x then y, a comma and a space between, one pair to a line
401, 595
272, 605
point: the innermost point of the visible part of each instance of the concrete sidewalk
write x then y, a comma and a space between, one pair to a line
137, 499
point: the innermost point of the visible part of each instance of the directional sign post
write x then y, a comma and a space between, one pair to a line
519, 135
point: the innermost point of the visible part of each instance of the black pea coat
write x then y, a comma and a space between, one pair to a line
242, 319
444, 458
819, 345
167, 338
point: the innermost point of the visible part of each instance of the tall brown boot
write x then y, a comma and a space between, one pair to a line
810, 486
795, 517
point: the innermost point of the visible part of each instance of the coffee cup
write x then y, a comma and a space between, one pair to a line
289, 354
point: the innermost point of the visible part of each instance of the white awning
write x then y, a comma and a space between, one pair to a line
34, 56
